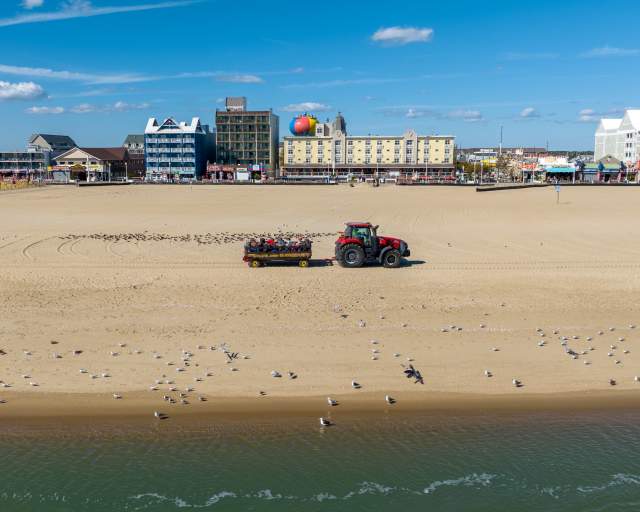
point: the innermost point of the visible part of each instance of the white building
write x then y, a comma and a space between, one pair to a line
619, 138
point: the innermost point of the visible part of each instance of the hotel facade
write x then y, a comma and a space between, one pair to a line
331, 152
246, 137
177, 151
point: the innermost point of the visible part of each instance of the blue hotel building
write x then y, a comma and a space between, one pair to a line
177, 151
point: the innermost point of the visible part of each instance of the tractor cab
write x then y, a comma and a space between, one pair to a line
363, 231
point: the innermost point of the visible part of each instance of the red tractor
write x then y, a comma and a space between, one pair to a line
360, 244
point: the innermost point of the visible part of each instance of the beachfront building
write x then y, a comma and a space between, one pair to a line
338, 155
609, 169
247, 137
620, 139
134, 144
90, 164
23, 164
50, 146
177, 151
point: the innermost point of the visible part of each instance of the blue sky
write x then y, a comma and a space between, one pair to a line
545, 70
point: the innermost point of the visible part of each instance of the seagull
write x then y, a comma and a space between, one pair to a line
487, 373
332, 402
636, 378
117, 396
495, 349
82, 370
389, 399
153, 388
325, 422
275, 374
355, 385
612, 382
516, 383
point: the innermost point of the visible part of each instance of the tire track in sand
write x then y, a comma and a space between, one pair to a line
25, 250
14, 242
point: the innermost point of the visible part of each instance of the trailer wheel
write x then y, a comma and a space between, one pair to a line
255, 264
303, 263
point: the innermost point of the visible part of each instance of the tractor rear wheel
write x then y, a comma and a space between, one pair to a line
352, 256
391, 259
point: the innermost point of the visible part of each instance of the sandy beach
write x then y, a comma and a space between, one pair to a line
137, 279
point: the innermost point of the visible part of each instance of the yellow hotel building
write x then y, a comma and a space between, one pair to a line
331, 152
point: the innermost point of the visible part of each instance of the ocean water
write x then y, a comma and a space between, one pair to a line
525, 462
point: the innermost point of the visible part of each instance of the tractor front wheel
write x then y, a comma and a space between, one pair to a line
391, 259
352, 256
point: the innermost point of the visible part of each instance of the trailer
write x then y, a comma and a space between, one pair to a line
257, 253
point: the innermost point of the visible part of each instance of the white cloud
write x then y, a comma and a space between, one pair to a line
609, 51
118, 106
121, 106
468, 116
84, 9
20, 91
84, 108
72, 75
589, 115
306, 106
529, 113
414, 112
239, 79
402, 35
32, 4
45, 110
